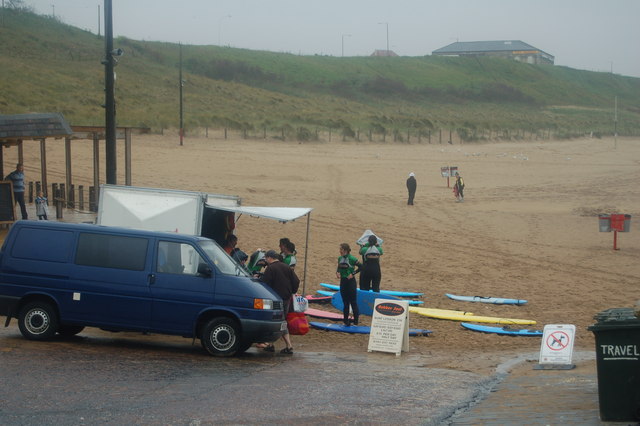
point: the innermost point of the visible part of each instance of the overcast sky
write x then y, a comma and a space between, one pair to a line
595, 35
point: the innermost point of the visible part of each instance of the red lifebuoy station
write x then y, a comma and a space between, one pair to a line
614, 222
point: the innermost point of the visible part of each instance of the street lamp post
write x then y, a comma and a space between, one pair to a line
220, 29
343, 36
387, 24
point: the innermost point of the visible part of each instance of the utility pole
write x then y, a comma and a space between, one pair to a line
615, 124
98, 20
181, 82
110, 102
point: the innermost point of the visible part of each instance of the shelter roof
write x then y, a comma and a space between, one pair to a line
33, 126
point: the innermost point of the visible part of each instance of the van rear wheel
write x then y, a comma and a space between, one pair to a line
221, 337
38, 321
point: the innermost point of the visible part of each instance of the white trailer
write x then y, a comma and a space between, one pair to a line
186, 212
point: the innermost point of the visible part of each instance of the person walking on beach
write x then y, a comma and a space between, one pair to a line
284, 281
348, 287
411, 187
42, 206
371, 275
459, 188
17, 177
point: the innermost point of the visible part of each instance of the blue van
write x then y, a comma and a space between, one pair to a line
61, 277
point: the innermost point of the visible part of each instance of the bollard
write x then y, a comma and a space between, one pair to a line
63, 194
58, 202
81, 197
71, 199
92, 199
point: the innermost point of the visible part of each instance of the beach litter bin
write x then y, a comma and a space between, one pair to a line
627, 223
604, 223
617, 334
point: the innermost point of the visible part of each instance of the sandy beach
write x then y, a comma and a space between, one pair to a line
528, 227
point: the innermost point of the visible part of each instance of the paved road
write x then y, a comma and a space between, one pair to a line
129, 378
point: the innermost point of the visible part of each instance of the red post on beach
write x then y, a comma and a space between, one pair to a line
615, 240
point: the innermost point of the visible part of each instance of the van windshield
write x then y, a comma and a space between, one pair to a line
221, 259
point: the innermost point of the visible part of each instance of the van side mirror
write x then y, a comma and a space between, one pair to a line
204, 270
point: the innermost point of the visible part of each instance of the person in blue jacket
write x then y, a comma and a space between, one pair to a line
17, 177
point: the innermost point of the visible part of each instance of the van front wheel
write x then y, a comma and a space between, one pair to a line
38, 321
221, 337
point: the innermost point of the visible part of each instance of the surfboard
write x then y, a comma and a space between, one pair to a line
319, 313
360, 329
453, 316
389, 292
435, 311
312, 298
506, 330
481, 299
366, 296
365, 300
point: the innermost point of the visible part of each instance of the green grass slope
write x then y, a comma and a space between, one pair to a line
47, 66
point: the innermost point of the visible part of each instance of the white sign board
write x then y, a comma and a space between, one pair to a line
557, 344
390, 326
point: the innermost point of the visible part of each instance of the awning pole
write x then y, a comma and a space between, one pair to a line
306, 250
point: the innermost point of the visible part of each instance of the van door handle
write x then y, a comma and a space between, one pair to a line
152, 278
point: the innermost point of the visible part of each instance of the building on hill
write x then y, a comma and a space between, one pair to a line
384, 52
511, 49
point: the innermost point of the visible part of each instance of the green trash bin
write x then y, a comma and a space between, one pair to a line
617, 333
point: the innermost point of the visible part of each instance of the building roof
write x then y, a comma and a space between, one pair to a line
33, 126
465, 47
384, 52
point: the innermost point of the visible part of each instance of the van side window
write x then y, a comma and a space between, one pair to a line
50, 245
111, 251
177, 258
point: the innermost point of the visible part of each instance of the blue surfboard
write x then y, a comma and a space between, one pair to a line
506, 330
389, 292
381, 296
365, 300
359, 329
481, 299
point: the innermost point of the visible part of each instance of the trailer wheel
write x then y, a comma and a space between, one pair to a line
221, 337
38, 321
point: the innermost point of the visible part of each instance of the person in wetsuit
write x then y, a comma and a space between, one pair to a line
348, 287
371, 275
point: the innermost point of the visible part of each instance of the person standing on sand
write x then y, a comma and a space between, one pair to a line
411, 187
17, 178
42, 206
371, 276
348, 287
459, 188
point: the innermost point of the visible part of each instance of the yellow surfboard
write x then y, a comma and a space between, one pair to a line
466, 316
427, 312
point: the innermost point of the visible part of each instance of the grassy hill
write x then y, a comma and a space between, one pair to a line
47, 66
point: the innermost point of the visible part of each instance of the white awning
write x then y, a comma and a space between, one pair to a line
281, 214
